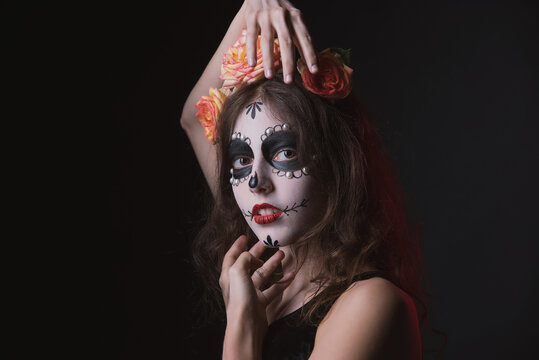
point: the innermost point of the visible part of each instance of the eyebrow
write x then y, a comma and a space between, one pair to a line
239, 147
276, 141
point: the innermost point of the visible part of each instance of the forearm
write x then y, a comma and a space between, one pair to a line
210, 76
242, 341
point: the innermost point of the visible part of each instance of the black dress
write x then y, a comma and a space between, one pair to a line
286, 339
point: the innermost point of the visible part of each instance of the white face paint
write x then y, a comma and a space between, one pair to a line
281, 202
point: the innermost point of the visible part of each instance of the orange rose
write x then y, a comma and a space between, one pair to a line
209, 108
333, 79
235, 69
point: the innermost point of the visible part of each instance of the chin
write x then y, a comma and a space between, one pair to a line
275, 239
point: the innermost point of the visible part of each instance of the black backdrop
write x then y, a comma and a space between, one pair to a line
453, 87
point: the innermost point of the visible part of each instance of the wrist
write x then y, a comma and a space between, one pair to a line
243, 340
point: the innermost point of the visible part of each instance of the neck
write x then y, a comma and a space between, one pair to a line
299, 292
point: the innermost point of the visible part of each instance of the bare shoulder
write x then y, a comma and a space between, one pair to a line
372, 319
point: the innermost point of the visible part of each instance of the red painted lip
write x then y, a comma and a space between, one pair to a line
265, 219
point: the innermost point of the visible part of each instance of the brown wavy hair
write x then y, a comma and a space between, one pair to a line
365, 222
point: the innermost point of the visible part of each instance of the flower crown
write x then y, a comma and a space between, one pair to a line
332, 81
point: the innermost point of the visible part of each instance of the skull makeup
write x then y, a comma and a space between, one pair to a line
274, 191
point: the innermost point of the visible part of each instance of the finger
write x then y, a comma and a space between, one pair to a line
266, 43
255, 265
234, 252
223, 283
304, 38
251, 38
244, 264
258, 249
262, 274
298, 45
285, 44
277, 289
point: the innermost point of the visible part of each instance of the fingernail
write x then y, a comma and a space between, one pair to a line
288, 78
314, 68
252, 62
268, 72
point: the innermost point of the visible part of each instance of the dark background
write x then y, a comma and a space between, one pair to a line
453, 87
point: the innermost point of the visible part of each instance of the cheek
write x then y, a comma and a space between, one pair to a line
294, 191
240, 194
295, 188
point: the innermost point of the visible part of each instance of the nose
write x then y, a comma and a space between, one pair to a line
260, 181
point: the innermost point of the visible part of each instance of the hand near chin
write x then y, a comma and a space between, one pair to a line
245, 298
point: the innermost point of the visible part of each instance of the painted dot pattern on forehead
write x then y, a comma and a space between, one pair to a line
253, 108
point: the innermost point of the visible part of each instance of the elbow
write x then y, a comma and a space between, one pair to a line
183, 123
184, 117
187, 121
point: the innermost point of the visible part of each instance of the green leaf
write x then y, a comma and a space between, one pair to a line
345, 54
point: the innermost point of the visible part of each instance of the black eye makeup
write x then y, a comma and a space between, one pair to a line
240, 156
279, 150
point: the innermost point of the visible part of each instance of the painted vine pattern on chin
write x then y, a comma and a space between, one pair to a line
253, 107
271, 243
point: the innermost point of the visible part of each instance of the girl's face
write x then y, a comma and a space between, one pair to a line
274, 191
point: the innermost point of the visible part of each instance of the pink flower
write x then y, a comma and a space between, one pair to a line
209, 108
235, 69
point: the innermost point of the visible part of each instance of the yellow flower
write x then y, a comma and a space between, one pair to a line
209, 108
235, 68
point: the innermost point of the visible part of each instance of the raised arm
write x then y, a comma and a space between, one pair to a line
204, 150
267, 18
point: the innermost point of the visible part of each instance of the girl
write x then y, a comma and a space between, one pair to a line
326, 266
